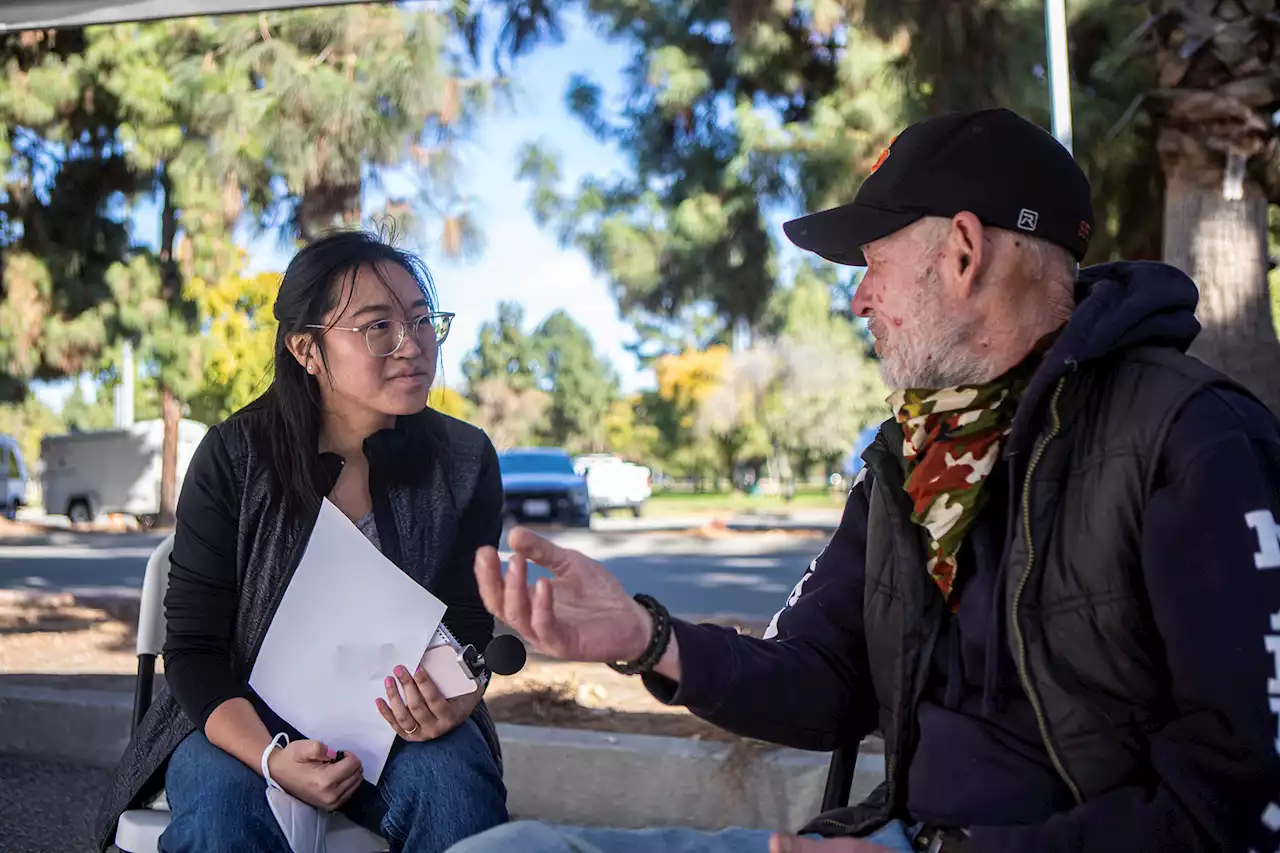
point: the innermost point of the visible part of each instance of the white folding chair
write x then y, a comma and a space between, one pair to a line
139, 830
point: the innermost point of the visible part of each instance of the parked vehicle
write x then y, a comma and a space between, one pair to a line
13, 478
541, 486
853, 462
613, 483
88, 474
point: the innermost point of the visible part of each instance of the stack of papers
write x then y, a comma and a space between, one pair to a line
347, 619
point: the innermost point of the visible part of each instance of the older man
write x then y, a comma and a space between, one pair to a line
1052, 590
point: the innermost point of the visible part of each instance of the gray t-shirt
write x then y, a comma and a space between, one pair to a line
370, 529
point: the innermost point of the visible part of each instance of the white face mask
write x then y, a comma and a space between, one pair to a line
305, 826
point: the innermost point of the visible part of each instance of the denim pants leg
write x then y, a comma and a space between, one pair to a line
531, 837
218, 804
434, 794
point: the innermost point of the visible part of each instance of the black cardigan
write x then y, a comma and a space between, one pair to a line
437, 497
204, 590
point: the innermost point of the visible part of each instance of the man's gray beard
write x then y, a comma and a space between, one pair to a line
936, 359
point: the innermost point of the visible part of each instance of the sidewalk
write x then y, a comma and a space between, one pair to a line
48, 734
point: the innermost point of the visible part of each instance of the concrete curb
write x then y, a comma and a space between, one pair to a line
558, 775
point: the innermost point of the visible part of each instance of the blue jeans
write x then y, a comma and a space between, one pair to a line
431, 795
528, 837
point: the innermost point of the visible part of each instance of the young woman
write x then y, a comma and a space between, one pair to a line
345, 418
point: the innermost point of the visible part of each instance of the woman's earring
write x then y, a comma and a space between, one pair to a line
311, 368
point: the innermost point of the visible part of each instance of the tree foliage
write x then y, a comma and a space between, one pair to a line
575, 386
512, 416
503, 352
736, 114
583, 386
289, 121
240, 334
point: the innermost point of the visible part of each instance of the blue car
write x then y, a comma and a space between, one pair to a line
542, 487
853, 464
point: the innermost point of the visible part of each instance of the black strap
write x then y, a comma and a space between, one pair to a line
658, 642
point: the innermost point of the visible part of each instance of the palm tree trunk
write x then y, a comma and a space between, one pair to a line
1222, 245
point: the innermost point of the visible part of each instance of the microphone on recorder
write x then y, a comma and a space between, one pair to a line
504, 655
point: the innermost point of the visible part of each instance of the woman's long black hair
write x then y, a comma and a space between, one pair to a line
310, 289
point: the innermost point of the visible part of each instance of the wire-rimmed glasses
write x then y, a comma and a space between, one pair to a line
385, 337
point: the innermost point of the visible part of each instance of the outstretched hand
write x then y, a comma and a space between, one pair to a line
580, 614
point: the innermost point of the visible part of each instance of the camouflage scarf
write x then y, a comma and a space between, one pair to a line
951, 442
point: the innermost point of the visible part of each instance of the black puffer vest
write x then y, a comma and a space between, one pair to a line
1087, 653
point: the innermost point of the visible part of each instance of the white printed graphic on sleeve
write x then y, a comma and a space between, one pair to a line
1271, 814
1263, 522
772, 630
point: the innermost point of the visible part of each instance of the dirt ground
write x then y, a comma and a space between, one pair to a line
59, 639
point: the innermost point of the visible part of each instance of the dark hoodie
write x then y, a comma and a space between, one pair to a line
980, 763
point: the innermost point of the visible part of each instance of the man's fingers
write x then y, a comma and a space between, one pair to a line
488, 568
543, 619
515, 594
540, 550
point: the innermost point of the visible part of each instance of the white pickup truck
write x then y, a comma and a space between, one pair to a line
614, 484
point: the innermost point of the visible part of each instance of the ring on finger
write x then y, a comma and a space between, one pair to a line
416, 726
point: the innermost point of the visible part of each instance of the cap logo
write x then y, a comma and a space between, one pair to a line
1084, 230
884, 155
1028, 219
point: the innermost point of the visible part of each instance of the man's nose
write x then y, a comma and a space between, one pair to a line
860, 305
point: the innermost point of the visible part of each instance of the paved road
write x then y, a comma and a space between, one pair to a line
745, 575
48, 806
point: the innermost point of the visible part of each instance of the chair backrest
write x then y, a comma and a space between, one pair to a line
151, 611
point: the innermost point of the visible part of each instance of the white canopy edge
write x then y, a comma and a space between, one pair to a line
39, 14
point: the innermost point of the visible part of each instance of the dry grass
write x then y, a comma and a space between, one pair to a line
58, 639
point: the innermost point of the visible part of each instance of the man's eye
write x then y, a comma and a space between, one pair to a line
380, 325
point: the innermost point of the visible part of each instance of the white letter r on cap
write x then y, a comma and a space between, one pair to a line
1264, 524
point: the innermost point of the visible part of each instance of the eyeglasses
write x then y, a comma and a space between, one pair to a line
385, 337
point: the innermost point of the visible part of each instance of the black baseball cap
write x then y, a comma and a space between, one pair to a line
995, 164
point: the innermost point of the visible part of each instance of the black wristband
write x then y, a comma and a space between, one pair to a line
658, 642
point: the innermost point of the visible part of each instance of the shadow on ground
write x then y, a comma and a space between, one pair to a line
30, 612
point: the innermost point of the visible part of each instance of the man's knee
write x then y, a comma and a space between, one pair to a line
525, 836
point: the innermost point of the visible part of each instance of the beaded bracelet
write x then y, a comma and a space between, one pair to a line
658, 642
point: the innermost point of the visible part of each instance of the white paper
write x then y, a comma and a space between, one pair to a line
347, 619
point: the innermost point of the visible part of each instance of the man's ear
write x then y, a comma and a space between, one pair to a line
965, 250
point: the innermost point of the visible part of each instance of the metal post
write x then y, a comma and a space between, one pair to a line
1055, 28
